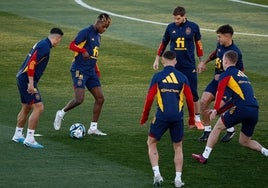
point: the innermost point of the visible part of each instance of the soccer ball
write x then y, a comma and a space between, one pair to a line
77, 130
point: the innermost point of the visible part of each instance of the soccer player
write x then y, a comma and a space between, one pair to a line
85, 72
27, 79
168, 86
184, 36
242, 107
225, 43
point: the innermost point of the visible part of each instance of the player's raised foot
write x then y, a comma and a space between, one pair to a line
95, 132
58, 120
228, 136
18, 139
178, 183
158, 180
199, 158
32, 144
204, 136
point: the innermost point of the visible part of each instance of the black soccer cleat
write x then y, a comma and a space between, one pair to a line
228, 136
204, 136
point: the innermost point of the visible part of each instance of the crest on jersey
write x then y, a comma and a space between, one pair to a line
37, 96
188, 30
79, 82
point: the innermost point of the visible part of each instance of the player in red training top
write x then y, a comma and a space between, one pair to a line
184, 37
85, 72
242, 107
27, 79
168, 86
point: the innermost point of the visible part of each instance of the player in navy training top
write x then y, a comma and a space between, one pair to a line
27, 78
85, 72
184, 37
225, 43
169, 86
242, 107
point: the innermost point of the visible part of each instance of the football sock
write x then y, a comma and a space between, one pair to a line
208, 128
18, 132
62, 112
93, 125
178, 176
231, 129
30, 135
206, 152
264, 151
197, 117
156, 170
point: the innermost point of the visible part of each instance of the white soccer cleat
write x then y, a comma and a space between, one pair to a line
58, 120
178, 183
18, 139
96, 132
33, 144
158, 180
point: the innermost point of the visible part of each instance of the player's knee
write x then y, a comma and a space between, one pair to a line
244, 142
100, 100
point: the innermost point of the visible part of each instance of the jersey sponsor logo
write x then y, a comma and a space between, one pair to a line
180, 42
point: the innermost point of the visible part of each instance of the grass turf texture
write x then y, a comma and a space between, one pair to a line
120, 159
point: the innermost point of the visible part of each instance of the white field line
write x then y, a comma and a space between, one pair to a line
80, 2
248, 3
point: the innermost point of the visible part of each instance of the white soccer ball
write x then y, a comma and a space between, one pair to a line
77, 130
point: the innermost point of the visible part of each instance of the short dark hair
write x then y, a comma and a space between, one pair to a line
169, 55
179, 11
232, 56
56, 30
105, 18
225, 29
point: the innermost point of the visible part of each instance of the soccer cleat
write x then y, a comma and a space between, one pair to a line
33, 144
178, 183
228, 136
199, 125
158, 180
199, 158
58, 120
96, 132
198, 122
204, 136
18, 139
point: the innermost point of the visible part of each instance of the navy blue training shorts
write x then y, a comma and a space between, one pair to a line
212, 87
158, 128
25, 97
81, 80
246, 115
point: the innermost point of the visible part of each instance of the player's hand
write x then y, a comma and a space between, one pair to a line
201, 67
156, 63
143, 120
86, 56
213, 114
31, 90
